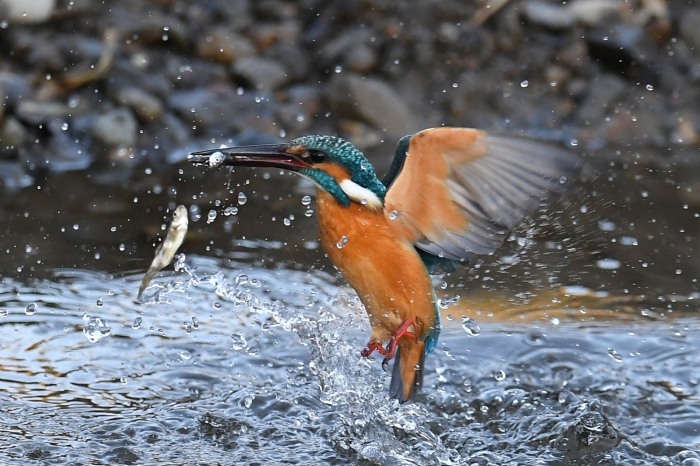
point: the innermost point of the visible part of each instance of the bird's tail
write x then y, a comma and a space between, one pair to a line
407, 374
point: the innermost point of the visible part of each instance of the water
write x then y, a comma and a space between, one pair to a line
248, 353
298, 391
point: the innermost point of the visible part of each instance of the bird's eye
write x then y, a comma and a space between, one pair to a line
316, 156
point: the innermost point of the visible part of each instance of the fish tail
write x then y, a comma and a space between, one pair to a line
407, 374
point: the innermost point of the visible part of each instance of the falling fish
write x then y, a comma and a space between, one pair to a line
167, 249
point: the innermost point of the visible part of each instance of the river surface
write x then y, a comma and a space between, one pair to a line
577, 343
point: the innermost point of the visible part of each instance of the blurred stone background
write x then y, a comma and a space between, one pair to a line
103, 100
90, 84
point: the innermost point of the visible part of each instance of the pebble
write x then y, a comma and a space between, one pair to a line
261, 73
689, 30
13, 177
115, 128
12, 135
373, 101
224, 46
145, 105
28, 12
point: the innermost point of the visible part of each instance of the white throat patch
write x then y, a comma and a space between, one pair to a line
359, 194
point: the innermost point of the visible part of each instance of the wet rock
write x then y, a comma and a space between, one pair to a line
12, 135
302, 104
14, 87
689, 30
116, 128
24, 12
604, 93
37, 112
146, 106
587, 12
13, 177
261, 73
373, 101
224, 45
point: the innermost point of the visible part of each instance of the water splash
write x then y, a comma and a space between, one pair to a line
96, 329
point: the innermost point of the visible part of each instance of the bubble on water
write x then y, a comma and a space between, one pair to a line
238, 341
306, 200
241, 279
185, 355
608, 264
31, 309
123, 380
137, 323
95, 329
470, 326
99, 302
195, 323
211, 216
614, 354
242, 199
3, 312
499, 375
342, 242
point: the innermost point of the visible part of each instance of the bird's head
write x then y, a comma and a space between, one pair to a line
333, 164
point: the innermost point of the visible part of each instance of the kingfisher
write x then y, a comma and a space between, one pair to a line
450, 195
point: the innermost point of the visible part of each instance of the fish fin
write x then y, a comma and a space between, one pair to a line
407, 374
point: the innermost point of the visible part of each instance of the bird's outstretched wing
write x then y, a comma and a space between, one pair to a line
456, 192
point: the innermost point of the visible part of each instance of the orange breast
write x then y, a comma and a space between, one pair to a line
385, 270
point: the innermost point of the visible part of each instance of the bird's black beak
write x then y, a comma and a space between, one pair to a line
264, 155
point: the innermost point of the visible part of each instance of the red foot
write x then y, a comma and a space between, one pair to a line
390, 349
371, 347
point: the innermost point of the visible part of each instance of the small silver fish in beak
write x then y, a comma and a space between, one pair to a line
167, 249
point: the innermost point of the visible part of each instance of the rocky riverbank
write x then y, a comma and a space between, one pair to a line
139, 83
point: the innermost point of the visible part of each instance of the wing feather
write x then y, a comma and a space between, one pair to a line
460, 190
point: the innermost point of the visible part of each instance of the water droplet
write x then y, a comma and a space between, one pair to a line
524, 83
99, 302
342, 242
239, 341
470, 326
650, 87
231, 210
629, 241
31, 309
614, 354
96, 329
241, 279
137, 323
185, 355
211, 216
554, 321
287, 222
608, 264
3, 312
195, 323
309, 212
242, 199
393, 215
123, 380
306, 200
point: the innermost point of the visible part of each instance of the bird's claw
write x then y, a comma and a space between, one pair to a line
390, 349
371, 347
